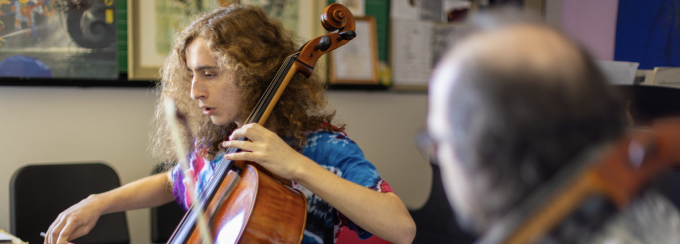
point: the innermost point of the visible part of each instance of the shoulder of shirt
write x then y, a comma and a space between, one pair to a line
326, 133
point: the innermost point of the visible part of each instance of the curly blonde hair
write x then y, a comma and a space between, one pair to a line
252, 46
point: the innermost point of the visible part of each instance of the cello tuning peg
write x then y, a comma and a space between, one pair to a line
324, 43
347, 35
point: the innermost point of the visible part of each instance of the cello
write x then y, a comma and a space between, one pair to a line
612, 176
243, 202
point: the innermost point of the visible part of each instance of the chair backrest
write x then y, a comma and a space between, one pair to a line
164, 221
165, 218
38, 193
436, 221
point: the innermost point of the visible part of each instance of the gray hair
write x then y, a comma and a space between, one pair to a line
519, 112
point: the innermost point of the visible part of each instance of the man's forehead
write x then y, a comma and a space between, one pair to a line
522, 46
444, 76
441, 86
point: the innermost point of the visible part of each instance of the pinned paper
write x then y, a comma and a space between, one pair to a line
404, 9
619, 73
411, 52
9, 238
666, 76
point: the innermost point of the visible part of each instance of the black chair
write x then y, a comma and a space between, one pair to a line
165, 218
38, 193
435, 221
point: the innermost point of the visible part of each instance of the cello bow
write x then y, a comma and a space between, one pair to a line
616, 174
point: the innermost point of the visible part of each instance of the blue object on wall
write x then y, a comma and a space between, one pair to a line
648, 32
23, 66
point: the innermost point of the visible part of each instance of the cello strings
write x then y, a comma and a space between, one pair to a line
223, 167
270, 89
199, 206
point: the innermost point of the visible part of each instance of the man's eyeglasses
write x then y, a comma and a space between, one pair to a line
427, 146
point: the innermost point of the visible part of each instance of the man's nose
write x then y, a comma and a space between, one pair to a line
198, 90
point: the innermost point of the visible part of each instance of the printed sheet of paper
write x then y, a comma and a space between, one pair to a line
666, 76
355, 61
403, 9
443, 35
9, 238
430, 10
619, 73
448, 5
5, 237
411, 55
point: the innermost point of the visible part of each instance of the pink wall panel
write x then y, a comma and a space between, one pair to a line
593, 24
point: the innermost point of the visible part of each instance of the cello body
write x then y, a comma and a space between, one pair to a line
616, 173
257, 201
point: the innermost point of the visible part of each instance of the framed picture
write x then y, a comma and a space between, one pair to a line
355, 6
150, 35
58, 42
357, 61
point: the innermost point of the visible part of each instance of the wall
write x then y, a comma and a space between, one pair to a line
47, 125
384, 125
592, 23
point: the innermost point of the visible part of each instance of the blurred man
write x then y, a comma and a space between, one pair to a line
511, 105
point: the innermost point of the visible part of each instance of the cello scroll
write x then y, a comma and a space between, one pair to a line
336, 18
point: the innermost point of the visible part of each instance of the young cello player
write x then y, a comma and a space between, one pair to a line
218, 69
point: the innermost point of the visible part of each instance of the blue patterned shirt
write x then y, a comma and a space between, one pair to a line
333, 151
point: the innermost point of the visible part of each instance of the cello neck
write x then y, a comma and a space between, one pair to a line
276, 87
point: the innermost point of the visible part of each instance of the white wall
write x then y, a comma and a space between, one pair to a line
47, 125
44, 125
384, 124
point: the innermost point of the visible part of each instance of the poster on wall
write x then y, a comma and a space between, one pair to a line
285, 10
647, 33
357, 63
62, 39
357, 7
153, 32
